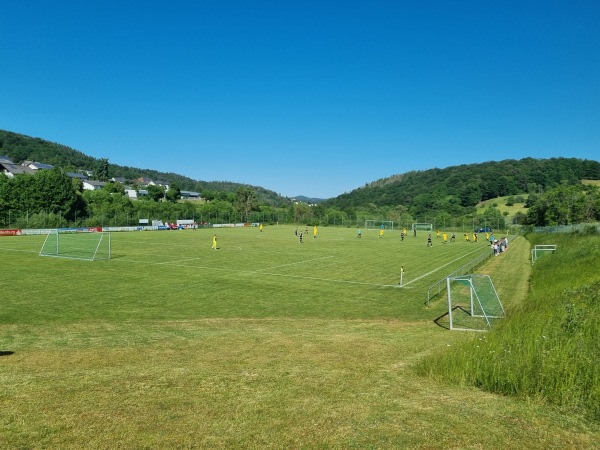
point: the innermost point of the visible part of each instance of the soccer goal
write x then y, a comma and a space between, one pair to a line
422, 226
377, 224
540, 250
473, 303
88, 245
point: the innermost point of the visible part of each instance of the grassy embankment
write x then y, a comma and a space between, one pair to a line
548, 349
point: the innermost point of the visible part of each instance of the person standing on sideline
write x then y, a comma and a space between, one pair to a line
260, 228
214, 242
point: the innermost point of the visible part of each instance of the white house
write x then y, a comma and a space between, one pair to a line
39, 166
93, 185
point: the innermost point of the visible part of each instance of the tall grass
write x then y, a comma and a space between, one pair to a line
548, 348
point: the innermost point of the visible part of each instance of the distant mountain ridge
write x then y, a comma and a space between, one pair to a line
309, 200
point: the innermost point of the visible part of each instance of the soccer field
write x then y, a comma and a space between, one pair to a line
263, 343
176, 275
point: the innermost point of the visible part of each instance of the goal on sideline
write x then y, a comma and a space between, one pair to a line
473, 303
540, 250
80, 244
377, 224
422, 226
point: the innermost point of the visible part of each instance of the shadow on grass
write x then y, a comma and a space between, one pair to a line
6, 353
447, 325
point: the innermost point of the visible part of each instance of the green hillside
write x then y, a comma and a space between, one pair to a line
19, 148
450, 195
458, 190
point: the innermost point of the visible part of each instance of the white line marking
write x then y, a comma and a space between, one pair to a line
441, 267
297, 262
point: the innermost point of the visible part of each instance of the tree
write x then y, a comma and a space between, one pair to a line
173, 193
155, 192
245, 201
102, 169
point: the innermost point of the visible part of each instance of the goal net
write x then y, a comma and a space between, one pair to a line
378, 224
422, 226
88, 245
540, 250
473, 303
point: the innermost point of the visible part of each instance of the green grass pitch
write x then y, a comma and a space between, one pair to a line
263, 343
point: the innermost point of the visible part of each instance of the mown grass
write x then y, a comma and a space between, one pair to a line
501, 205
548, 349
265, 343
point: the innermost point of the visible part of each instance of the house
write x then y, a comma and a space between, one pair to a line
10, 169
135, 194
143, 181
76, 175
38, 165
190, 195
93, 185
121, 180
131, 193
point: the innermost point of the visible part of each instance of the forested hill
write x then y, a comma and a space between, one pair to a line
458, 189
20, 148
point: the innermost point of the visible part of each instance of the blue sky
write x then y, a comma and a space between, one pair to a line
308, 98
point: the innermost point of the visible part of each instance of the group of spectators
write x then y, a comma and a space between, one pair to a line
498, 245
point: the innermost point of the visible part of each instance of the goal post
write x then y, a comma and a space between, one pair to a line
77, 244
541, 249
422, 226
473, 303
378, 224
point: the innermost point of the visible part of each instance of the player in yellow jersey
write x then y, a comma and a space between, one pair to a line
214, 242
314, 231
445, 237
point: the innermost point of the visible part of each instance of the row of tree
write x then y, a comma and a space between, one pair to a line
441, 196
51, 198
